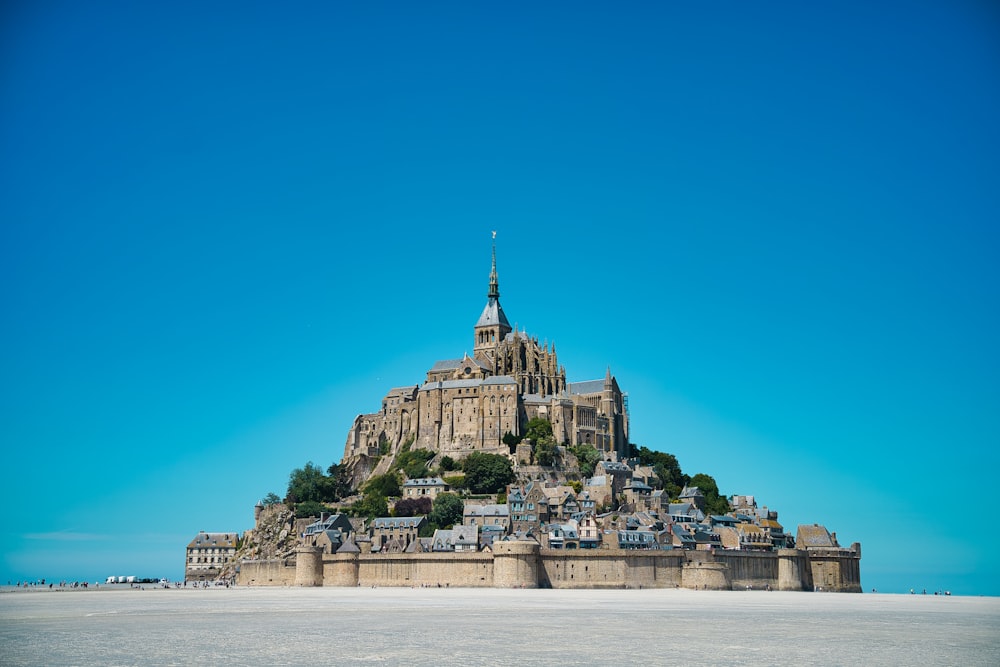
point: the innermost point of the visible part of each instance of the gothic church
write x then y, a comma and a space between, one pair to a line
469, 404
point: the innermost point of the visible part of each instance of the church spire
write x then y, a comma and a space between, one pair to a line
492, 326
494, 292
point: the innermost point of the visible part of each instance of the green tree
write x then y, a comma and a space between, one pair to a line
309, 508
309, 483
714, 503
512, 441
545, 451
543, 445
271, 499
447, 511
667, 470
487, 473
371, 506
588, 457
456, 482
413, 462
383, 485
538, 427
448, 464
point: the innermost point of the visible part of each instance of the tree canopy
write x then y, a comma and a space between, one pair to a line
447, 511
543, 444
714, 503
667, 470
588, 457
309, 483
487, 473
383, 485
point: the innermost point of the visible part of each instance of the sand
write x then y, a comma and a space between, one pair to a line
395, 626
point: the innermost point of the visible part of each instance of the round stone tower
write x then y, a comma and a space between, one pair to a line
308, 566
793, 570
706, 575
515, 564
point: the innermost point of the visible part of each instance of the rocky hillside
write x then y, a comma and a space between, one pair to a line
275, 536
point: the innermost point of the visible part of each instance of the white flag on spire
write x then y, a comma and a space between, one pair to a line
494, 234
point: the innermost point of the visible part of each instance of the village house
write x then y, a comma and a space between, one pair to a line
487, 515
528, 508
563, 535
424, 487
589, 532
395, 533
207, 553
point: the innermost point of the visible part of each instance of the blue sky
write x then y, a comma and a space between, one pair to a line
226, 231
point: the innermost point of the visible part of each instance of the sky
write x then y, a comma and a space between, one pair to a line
227, 230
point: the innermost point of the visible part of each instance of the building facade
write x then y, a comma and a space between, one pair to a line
469, 404
208, 553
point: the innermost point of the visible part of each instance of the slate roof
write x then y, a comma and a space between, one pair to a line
398, 522
450, 384
421, 482
499, 379
332, 521
487, 510
814, 536
492, 314
203, 540
585, 387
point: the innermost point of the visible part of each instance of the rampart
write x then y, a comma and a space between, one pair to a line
515, 564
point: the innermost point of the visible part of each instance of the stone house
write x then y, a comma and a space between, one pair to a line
400, 530
207, 553
528, 508
589, 532
617, 474
424, 487
561, 503
563, 535
487, 515
694, 496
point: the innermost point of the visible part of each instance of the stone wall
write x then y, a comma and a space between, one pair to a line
836, 570
522, 564
468, 570
271, 572
593, 568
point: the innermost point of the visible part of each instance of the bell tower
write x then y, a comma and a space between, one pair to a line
492, 326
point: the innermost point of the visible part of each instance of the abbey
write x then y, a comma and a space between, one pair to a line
469, 404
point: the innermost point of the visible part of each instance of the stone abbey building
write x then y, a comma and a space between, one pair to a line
469, 404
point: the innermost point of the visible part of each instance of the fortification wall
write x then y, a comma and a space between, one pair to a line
270, 572
750, 569
586, 568
470, 570
836, 570
526, 565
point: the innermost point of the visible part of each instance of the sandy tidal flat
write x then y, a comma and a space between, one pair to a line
395, 626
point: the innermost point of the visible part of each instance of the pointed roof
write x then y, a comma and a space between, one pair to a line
493, 314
